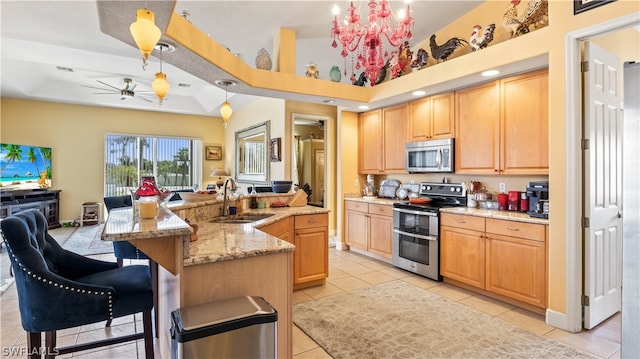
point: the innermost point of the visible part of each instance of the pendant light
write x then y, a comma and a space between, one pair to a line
145, 33
160, 85
225, 109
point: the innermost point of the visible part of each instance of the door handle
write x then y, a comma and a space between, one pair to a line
620, 214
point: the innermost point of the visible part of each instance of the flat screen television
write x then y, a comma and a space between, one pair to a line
24, 167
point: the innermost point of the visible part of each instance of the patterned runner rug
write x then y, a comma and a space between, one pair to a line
398, 320
86, 241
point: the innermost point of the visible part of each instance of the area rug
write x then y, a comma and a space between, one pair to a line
398, 320
86, 241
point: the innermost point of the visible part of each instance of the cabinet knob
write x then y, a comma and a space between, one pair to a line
513, 229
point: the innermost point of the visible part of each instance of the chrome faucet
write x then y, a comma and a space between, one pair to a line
225, 203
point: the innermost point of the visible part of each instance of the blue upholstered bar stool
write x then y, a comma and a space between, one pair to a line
59, 289
126, 250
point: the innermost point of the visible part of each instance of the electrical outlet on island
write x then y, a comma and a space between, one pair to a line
503, 187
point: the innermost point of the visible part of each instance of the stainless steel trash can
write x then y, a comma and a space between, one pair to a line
238, 327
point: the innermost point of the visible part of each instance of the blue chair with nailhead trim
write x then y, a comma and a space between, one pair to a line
59, 289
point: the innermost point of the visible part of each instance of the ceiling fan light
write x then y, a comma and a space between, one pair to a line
145, 32
160, 86
225, 112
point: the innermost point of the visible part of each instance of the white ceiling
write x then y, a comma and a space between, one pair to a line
38, 37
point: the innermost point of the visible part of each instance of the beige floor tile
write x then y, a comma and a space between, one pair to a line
376, 277
354, 268
111, 332
451, 292
527, 320
585, 341
121, 351
302, 342
485, 304
300, 296
335, 273
396, 272
377, 265
317, 353
350, 283
322, 291
421, 282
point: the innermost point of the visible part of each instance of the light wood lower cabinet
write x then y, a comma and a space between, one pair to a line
508, 258
311, 257
368, 226
310, 234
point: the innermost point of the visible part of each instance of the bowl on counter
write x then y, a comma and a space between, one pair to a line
281, 186
198, 197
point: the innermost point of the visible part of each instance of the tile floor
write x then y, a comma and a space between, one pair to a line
347, 271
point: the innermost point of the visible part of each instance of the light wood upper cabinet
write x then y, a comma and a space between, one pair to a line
525, 124
394, 138
431, 117
502, 126
382, 137
370, 141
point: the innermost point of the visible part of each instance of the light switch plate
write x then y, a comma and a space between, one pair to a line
503, 187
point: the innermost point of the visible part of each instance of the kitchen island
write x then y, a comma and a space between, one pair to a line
226, 260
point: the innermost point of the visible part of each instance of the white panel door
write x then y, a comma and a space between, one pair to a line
603, 186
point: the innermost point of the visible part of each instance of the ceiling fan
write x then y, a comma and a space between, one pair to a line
125, 93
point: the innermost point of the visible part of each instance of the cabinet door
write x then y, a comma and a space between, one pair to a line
516, 268
442, 115
477, 127
356, 229
394, 138
462, 255
419, 127
370, 142
380, 231
311, 260
525, 124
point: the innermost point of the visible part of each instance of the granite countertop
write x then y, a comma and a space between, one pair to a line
216, 241
376, 200
494, 213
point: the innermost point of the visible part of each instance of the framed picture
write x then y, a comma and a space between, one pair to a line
584, 5
213, 153
275, 150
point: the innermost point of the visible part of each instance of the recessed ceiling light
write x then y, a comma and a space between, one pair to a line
329, 101
182, 84
65, 69
418, 93
490, 73
363, 107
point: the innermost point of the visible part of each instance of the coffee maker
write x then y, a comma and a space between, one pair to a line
538, 193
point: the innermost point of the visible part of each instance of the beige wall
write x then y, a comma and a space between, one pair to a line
76, 136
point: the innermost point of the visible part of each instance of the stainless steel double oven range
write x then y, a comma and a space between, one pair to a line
416, 228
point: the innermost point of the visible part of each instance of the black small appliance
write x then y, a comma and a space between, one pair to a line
538, 193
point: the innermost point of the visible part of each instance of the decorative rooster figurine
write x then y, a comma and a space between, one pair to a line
536, 14
510, 19
478, 41
401, 60
442, 52
421, 59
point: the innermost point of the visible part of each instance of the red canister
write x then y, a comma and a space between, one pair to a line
502, 201
514, 201
524, 202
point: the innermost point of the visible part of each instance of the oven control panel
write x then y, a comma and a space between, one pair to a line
442, 189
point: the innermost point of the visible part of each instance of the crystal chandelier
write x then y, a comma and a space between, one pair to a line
364, 42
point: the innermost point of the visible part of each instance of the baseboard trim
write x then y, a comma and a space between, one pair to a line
557, 320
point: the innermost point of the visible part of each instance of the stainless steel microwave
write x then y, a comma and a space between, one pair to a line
430, 156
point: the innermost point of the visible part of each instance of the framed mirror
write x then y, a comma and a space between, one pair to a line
252, 154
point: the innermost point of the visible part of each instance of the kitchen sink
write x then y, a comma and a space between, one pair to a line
242, 218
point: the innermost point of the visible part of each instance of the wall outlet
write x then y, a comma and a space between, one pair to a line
503, 187
355, 183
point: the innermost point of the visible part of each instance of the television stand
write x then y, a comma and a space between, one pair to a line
46, 201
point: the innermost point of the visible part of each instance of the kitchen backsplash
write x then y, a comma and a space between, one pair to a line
492, 183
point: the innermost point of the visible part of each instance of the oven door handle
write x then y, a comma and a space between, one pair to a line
419, 213
429, 238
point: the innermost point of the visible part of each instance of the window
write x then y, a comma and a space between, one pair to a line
175, 162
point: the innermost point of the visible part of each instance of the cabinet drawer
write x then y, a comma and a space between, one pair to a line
381, 209
462, 221
311, 220
356, 206
531, 231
